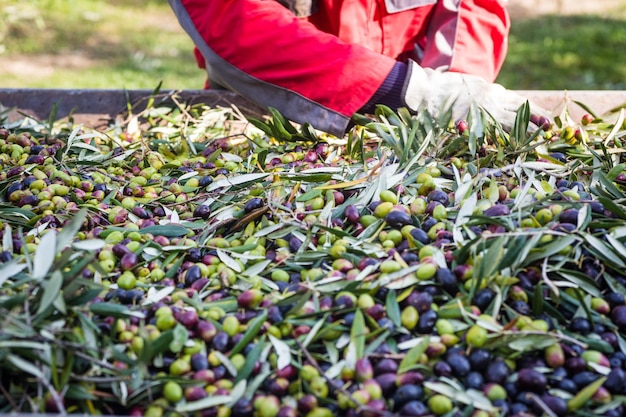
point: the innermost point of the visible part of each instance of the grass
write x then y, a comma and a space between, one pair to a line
566, 52
95, 44
136, 44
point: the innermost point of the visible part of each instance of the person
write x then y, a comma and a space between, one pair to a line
322, 61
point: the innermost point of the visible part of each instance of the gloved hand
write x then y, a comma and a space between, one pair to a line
433, 89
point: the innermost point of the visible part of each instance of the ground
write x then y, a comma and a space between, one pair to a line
126, 45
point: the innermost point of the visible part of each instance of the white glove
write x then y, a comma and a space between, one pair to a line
432, 90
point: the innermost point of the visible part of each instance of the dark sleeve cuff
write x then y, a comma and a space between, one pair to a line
390, 91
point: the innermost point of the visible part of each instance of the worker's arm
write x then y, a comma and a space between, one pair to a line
260, 50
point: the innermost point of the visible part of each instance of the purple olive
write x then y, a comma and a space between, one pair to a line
128, 261
31, 200
206, 330
556, 404
531, 380
141, 212
497, 211
119, 250
386, 365
618, 315
352, 213
363, 369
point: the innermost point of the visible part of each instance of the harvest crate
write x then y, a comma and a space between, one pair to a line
96, 108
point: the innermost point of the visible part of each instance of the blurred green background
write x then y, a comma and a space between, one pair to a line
136, 44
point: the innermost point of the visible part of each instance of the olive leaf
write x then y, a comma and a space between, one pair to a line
585, 394
51, 291
412, 357
283, 352
44, 255
204, 403
252, 331
251, 361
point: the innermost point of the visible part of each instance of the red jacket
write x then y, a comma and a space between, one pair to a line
325, 67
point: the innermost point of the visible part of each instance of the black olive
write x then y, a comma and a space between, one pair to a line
406, 393
253, 204
497, 371
397, 219
474, 380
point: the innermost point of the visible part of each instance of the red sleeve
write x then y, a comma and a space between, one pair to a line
261, 50
468, 36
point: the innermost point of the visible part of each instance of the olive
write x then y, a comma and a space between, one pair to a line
386, 323
411, 258
616, 412
199, 362
274, 315
518, 409
521, 307
387, 382
385, 365
192, 275
575, 365
502, 406
253, 204
363, 370
497, 210
497, 371
474, 380
203, 211
567, 384
307, 403
580, 325
120, 249
616, 382
205, 181
596, 207
426, 322
129, 296
428, 224
483, 298
406, 393
439, 196
397, 219
459, 364
219, 372
569, 216
531, 380
413, 408
128, 261
479, 359
420, 236
556, 404
614, 299
584, 378
242, 408
221, 341
442, 369
294, 244
352, 214
447, 280
16, 186
618, 316
421, 300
